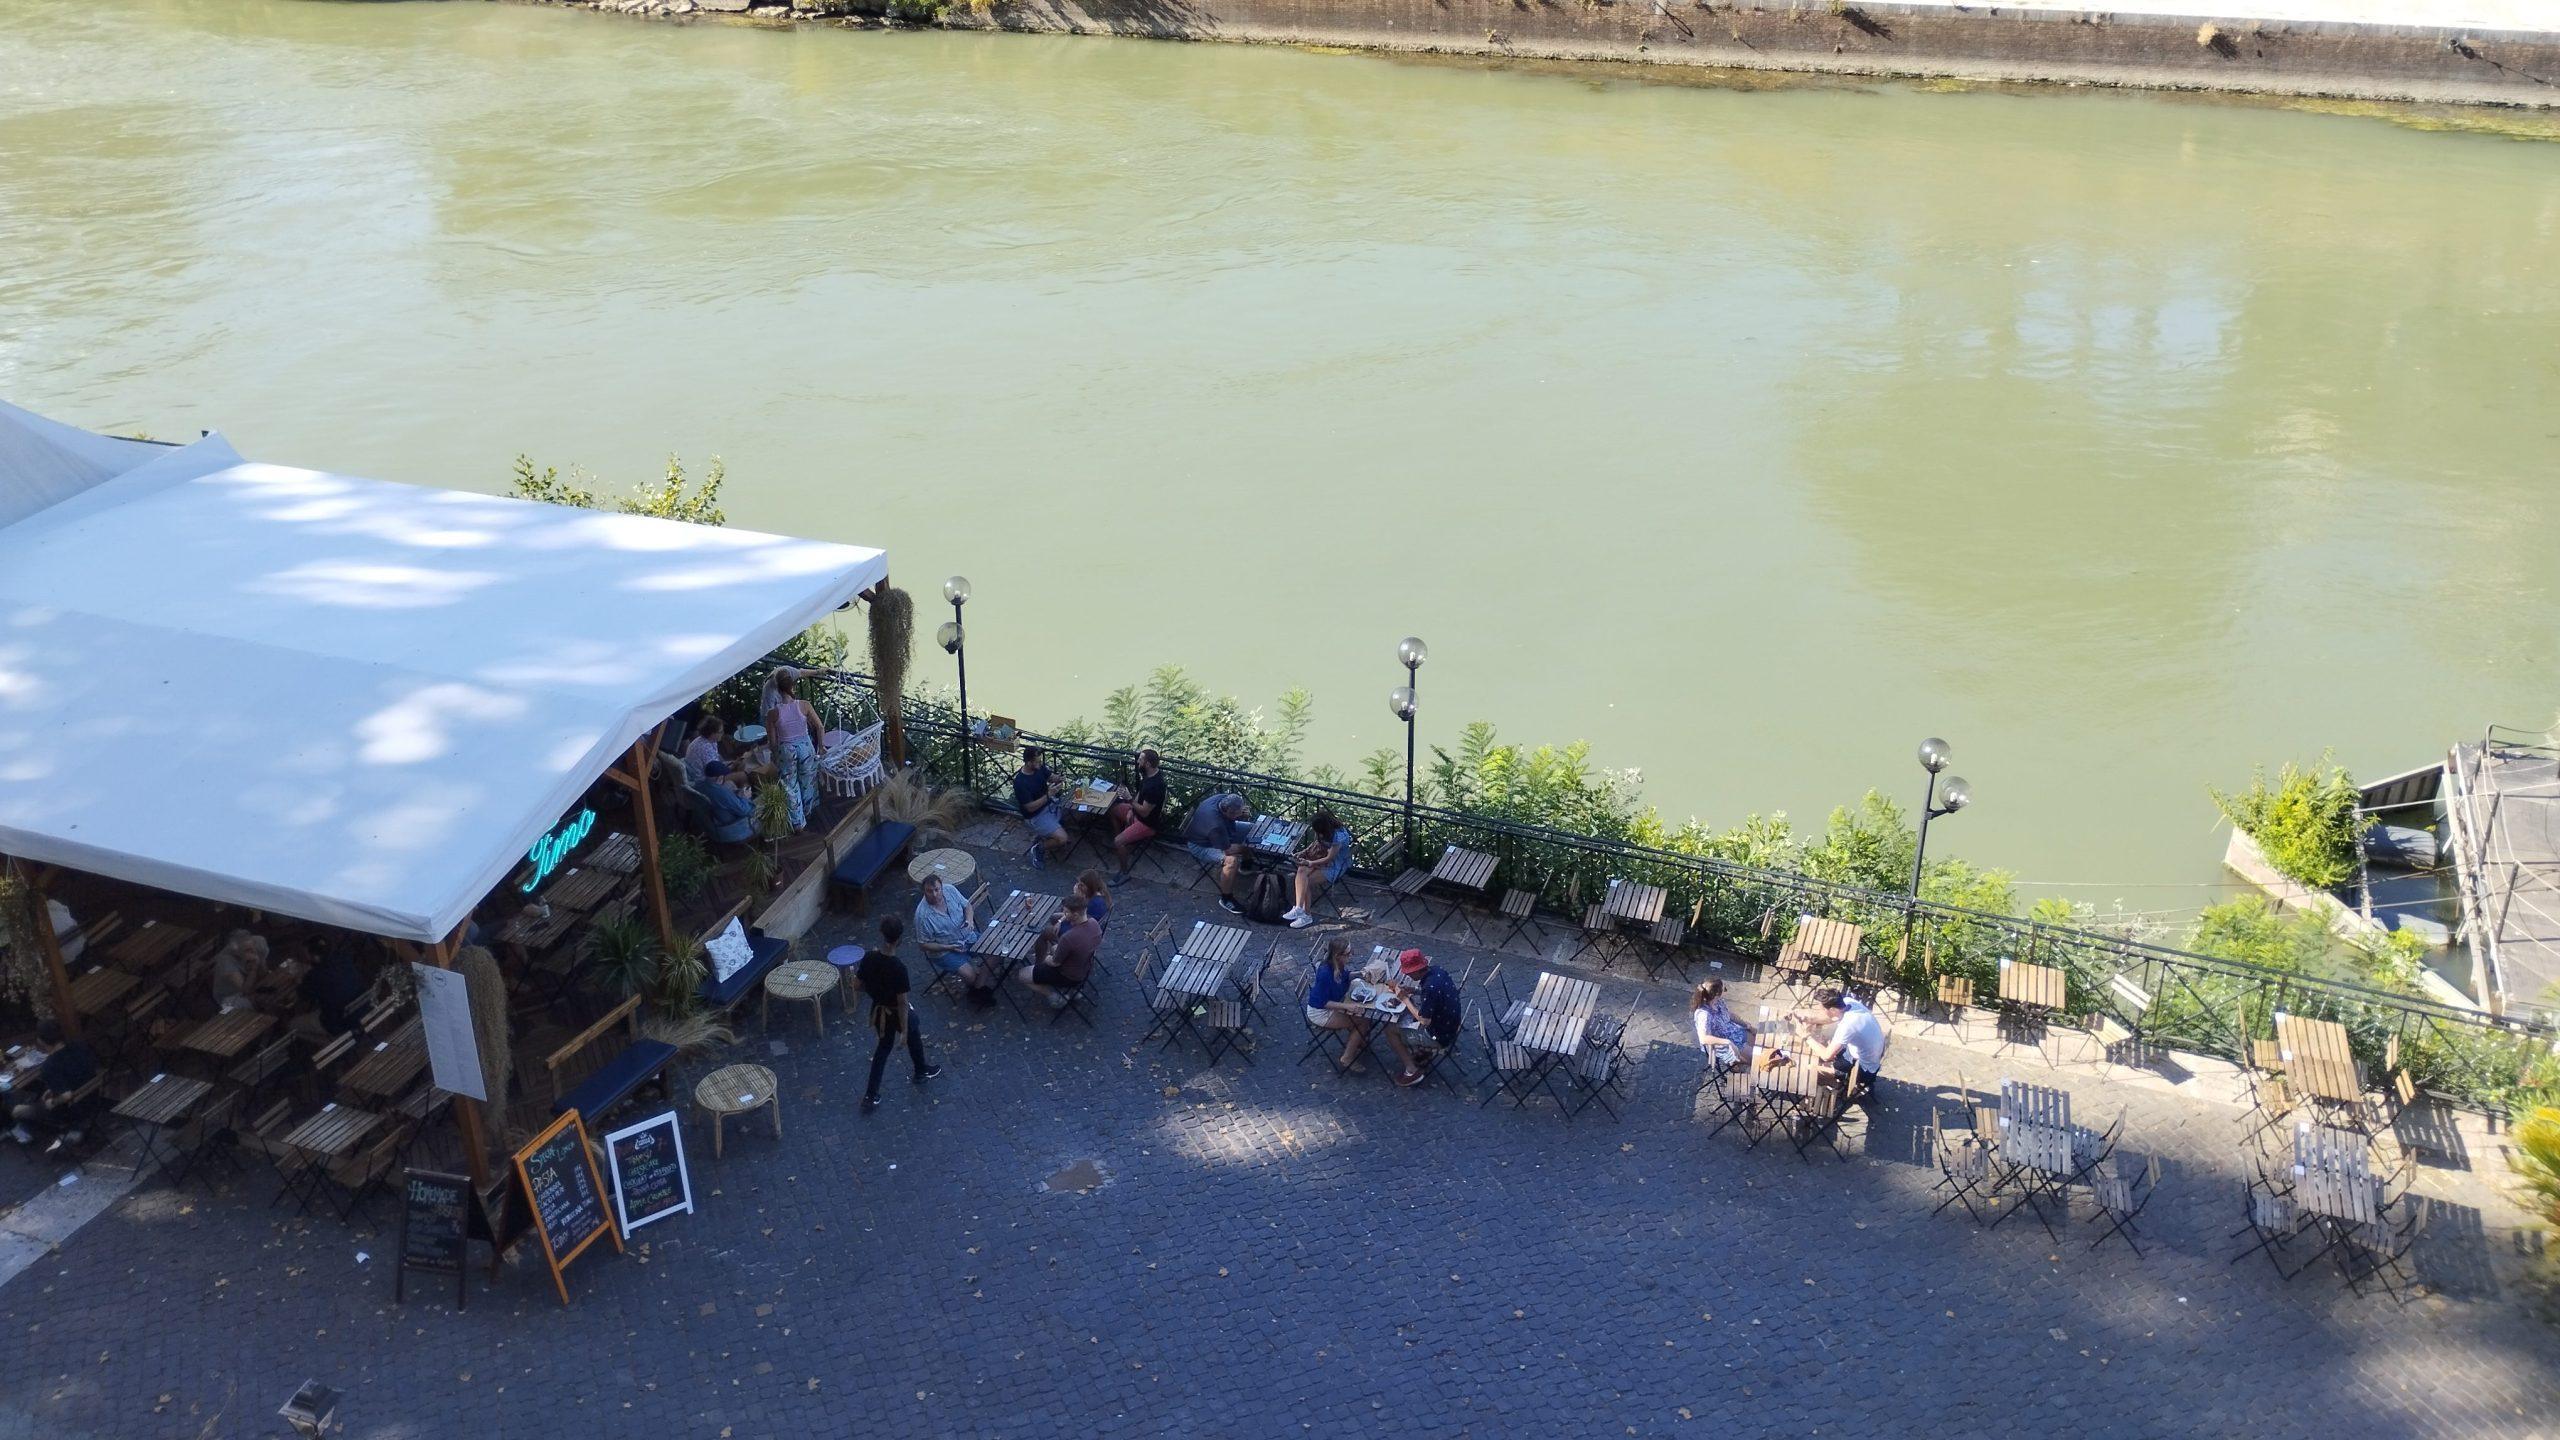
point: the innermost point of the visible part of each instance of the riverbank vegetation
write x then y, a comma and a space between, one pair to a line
2306, 823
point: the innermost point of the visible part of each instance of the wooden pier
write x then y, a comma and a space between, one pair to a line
2502, 812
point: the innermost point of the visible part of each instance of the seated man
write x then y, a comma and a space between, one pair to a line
1141, 819
946, 926
43, 1101
1436, 1003
1031, 795
1856, 1046
723, 792
333, 988
1062, 957
1215, 836
1326, 856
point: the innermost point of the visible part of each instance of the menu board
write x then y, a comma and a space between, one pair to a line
435, 1227
564, 1194
649, 1179
453, 1049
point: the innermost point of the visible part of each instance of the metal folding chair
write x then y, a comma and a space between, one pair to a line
2121, 1195
1590, 1076
1520, 907
1516, 1071
1964, 1168
1734, 1092
2273, 1217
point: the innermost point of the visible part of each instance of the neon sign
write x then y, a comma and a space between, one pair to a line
551, 849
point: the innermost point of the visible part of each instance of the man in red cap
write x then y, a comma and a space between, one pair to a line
1435, 1001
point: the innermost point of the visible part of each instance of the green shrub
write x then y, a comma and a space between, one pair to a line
2306, 823
2251, 930
684, 865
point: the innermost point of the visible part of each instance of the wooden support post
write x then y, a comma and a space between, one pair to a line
643, 755
41, 914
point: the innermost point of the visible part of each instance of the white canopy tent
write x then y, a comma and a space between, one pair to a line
342, 699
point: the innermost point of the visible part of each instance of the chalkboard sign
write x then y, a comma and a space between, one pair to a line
435, 1227
564, 1194
649, 1179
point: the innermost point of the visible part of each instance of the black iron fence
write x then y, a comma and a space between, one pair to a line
2201, 1004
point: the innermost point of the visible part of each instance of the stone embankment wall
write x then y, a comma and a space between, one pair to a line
1972, 42
1983, 43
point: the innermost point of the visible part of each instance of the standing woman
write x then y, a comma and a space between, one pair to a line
793, 727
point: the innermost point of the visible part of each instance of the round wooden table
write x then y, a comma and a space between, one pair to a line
736, 1090
954, 866
800, 980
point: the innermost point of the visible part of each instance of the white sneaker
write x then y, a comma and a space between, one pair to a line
1292, 913
1302, 922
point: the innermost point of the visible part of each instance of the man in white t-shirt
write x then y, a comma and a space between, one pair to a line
1857, 1043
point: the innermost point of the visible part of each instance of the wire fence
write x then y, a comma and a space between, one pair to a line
2201, 1004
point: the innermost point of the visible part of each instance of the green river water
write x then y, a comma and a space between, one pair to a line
1751, 433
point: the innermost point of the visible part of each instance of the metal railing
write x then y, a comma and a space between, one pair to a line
2199, 1003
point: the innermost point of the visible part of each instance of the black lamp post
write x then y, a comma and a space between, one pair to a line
1934, 757
955, 644
1403, 701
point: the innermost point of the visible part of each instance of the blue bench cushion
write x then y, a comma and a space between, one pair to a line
767, 953
635, 1066
863, 863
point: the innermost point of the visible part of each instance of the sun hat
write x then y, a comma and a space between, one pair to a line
1414, 962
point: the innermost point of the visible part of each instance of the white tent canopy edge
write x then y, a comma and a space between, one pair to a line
347, 700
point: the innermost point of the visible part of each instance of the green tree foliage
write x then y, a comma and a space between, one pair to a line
2250, 929
1181, 717
673, 496
2306, 823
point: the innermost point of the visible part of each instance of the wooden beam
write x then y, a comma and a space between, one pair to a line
51, 945
644, 811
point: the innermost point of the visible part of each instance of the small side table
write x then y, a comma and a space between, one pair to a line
846, 959
737, 1090
956, 867
800, 980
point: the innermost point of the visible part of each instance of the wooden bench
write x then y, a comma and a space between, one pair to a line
588, 1079
870, 856
768, 951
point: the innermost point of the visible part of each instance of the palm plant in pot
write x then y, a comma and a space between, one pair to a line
626, 951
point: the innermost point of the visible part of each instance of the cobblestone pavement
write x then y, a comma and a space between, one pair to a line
1277, 1251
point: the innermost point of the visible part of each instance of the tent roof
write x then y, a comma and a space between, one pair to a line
343, 699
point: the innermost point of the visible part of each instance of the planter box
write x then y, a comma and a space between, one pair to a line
797, 905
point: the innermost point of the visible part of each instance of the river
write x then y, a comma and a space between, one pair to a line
1750, 432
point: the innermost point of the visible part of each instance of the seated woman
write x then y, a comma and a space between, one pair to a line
1719, 1033
1097, 897
946, 926
1327, 856
239, 972
1331, 983
701, 752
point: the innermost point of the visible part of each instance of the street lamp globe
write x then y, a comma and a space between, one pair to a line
1934, 755
956, 589
1412, 652
1957, 794
948, 637
1400, 700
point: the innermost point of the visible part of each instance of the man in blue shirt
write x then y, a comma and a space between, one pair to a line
1039, 808
733, 815
1856, 1046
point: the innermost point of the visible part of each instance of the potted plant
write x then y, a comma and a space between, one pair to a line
760, 870
773, 810
626, 950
